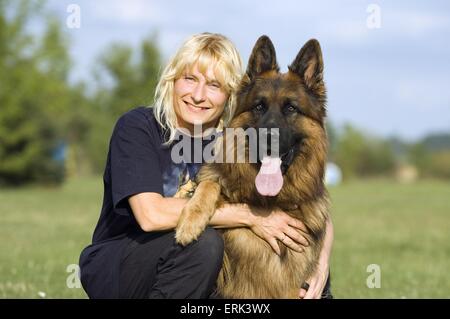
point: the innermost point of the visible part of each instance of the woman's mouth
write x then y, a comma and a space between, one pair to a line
196, 108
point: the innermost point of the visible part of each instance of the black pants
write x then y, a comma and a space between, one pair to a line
154, 266
326, 293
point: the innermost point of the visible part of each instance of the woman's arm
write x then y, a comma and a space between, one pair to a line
154, 212
318, 280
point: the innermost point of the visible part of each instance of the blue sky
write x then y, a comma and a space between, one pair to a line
391, 80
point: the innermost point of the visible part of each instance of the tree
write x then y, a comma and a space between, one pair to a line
125, 80
34, 95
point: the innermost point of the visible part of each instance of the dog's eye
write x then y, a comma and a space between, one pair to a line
291, 108
259, 107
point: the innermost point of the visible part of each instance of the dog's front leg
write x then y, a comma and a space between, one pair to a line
197, 212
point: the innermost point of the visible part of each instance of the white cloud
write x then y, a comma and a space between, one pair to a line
414, 23
130, 11
346, 31
423, 94
363, 66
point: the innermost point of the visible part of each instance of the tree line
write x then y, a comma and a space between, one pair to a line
52, 129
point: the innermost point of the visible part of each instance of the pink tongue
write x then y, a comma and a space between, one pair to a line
269, 180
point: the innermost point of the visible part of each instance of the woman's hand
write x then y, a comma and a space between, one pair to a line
318, 281
277, 225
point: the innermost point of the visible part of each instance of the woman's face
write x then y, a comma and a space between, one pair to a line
198, 99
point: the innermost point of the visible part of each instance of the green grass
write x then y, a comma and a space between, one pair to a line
402, 228
405, 229
42, 231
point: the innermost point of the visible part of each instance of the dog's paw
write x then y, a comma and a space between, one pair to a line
185, 235
190, 226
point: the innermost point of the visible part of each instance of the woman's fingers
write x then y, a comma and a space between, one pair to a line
297, 236
297, 224
274, 244
280, 226
311, 292
302, 293
291, 244
316, 285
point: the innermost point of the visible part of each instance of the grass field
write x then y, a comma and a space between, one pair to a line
404, 229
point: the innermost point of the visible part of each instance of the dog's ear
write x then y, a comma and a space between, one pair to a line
309, 64
263, 58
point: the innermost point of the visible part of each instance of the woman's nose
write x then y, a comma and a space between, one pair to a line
198, 94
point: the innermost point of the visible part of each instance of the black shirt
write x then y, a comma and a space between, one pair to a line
138, 161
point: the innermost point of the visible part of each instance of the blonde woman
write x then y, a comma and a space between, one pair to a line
133, 252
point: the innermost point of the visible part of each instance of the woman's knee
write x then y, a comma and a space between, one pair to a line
210, 245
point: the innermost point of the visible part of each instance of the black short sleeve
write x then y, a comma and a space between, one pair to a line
135, 166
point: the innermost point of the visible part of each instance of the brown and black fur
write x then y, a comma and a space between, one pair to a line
251, 269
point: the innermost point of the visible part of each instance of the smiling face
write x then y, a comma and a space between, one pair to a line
198, 98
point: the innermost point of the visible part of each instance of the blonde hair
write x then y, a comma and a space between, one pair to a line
203, 50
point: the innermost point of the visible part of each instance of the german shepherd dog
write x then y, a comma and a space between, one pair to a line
294, 103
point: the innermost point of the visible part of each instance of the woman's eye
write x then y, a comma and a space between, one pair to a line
188, 78
215, 85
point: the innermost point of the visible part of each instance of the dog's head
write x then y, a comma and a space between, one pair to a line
292, 103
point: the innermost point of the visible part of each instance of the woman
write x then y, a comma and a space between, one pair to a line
133, 252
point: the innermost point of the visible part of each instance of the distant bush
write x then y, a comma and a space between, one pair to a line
360, 155
439, 165
431, 163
